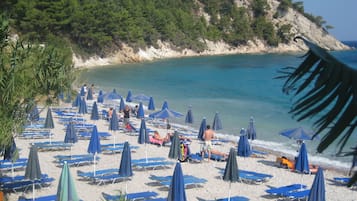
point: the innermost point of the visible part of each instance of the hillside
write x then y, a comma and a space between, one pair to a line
121, 31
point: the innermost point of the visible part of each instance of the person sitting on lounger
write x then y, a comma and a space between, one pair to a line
165, 139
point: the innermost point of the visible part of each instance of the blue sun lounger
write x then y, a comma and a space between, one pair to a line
152, 164
234, 198
297, 195
87, 135
146, 195
69, 157
7, 165
109, 178
53, 146
250, 176
342, 180
18, 178
149, 159
24, 184
79, 161
188, 182
43, 198
118, 149
90, 175
280, 191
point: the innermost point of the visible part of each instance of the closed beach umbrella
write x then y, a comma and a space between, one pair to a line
302, 162
189, 116
202, 129
66, 190
69, 98
217, 123
243, 145
151, 105
231, 171
297, 134
121, 104
125, 168
82, 92
317, 191
10, 153
83, 107
165, 105
175, 146
94, 145
251, 132
128, 97
33, 169
177, 187
49, 121
143, 133
94, 114
77, 101
141, 113
100, 98
70, 136
34, 114
90, 94
114, 124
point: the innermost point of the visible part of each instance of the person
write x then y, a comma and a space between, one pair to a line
110, 113
163, 140
208, 135
85, 89
126, 114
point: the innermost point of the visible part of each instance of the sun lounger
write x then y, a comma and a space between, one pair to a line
146, 195
152, 164
87, 135
74, 156
118, 149
168, 178
196, 157
234, 198
250, 176
78, 161
90, 175
149, 159
19, 164
109, 178
342, 180
56, 146
24, 184
18, 178
188, 182
279, 191
297, 195
43, 198
215, 157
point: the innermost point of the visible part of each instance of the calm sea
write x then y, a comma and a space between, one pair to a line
235, 86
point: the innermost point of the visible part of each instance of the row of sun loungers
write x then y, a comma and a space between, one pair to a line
146, 195
23, 185
293, 191
189, 180
7, 165
76, 160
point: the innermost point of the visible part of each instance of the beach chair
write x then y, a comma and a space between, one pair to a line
118, 149
297, 195
234, 198
280, 191
149, 159
188, 182
195, 158
53, 146
145, 195
342, 180
69, 157
43, 198
7, 165
86, 135
18, 178
253, 177
152, 165
23, 185
168, 178
79, 161
109, 178
90, 175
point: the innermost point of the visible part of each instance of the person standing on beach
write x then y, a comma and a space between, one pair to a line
126, 115
207, 137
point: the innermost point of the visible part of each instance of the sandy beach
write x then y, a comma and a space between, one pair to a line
213, 189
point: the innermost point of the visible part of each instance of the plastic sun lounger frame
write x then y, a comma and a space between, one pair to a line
90, 175
145, 195
150, 159
25, 184
152, 164
109, 178
250, 176
79, 161
43, 198
118, 149
234, 198
188, 181
18, 178
279, 191
299, 194
69, 157
53, 146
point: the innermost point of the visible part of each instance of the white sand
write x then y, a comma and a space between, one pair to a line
214, 188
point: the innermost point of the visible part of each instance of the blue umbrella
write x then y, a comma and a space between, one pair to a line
66, 189
317, 191
94, 114
141, 98
112, 96
94, 145
90, 94
302, 162
165, 114
128, 97
83, 107
297, 134
231, 171
114, 124
69, 97
77, 101
189, 116
143, 133
141, 113
122, 104
243, 145
71, 136
202, 129
100, 98
251, 132
34, 114
217, 124
33, 169
49, 121
82, 92
174, 152
125, 168
165, 105
10, 153
151, 105
177, 186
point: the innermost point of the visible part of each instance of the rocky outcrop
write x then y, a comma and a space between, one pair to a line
301, 26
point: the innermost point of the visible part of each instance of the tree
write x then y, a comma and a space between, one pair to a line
326, 89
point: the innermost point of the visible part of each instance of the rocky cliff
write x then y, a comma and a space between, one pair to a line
301, 26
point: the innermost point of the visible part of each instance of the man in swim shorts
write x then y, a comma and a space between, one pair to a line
207, 146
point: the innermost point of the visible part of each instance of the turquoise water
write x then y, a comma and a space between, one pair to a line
235, 86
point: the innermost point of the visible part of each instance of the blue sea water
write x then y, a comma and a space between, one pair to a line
235, 86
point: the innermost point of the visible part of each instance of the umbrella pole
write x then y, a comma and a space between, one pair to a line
12, 169
114, 140
146, 153
229, 192
33, 190
94, 163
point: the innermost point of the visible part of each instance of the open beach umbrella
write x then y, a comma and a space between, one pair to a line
114, 124
251, 131
297, 134
302, 162
151, 105
83, 107
121, 104
125, 168
141, 98
112, 96
49, 122
11, 154
100, 98
33, 169
143, 136
94, 114
66, 190
165, 105
94, 145
202, 129
317, 191
128, 97
141, 113
231, 171
71, 135
217, 123
77, 101
243, 145
174, 152
177, 187
189, 116
90, 94
165, 114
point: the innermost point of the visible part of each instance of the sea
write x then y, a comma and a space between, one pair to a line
237, 87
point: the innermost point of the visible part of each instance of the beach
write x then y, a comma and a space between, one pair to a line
213, 189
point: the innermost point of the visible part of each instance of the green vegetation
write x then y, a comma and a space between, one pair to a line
100, 27
29, 73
